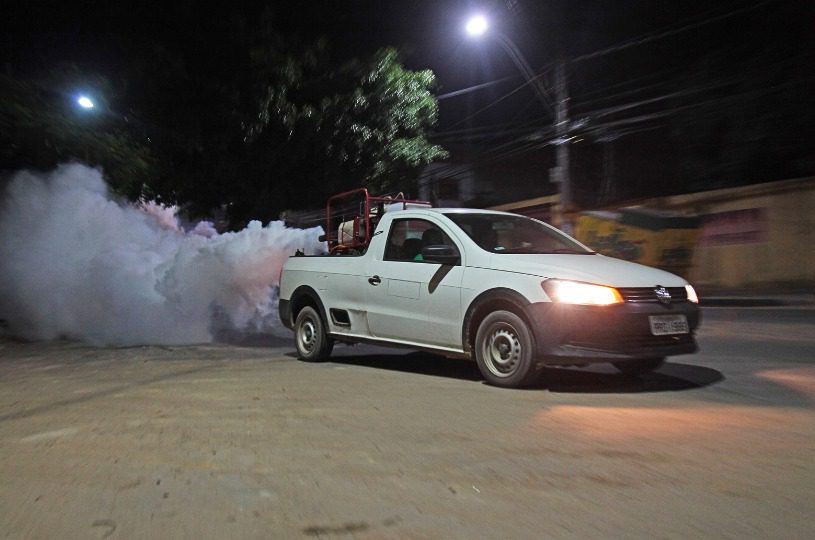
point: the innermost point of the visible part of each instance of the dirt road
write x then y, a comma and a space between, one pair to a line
226, 441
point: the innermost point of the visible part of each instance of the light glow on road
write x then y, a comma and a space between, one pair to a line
675, 423
799, 379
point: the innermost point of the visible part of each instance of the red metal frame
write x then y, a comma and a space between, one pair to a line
357, 241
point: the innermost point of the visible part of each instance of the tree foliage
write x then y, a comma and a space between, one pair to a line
362, 123
41, 126
228, 113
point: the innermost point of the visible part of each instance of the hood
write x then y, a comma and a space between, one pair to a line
590, 268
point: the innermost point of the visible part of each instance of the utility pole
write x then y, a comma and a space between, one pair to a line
562, 173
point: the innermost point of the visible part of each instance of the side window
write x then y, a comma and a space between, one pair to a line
407, 237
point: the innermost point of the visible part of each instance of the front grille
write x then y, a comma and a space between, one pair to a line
648, 294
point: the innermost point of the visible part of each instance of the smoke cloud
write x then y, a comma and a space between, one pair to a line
79, 264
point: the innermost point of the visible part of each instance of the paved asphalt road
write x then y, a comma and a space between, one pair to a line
243, 441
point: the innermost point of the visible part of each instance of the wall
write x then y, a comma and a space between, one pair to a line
753, 236
760, 236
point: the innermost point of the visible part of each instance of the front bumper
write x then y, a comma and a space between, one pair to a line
570, 334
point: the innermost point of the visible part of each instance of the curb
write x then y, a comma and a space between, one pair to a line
746, 301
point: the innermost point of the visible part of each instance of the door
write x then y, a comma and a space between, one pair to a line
410, 299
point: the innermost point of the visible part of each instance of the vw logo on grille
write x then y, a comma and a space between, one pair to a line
663, 295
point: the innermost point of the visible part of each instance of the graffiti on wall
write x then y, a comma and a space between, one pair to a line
615, 244
747, 226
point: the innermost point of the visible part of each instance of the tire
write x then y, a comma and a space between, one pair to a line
639, 367
505, 351
310, 338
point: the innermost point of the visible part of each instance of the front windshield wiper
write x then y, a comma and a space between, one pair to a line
570, 251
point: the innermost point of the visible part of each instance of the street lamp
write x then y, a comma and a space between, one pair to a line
477, 26
85, 102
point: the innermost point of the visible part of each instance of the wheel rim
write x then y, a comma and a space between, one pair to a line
502, 350
307, 335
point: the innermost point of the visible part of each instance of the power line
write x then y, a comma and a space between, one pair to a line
646, 38
500, 99
671, 95
624, 126
487, 131
629, 125
494, 129
657, 115
474, 88
609, 97
667, 33
532, 125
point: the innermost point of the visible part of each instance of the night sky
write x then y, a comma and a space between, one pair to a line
622, 53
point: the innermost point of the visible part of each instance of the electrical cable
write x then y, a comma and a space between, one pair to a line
474, 88
630, 123
647, 38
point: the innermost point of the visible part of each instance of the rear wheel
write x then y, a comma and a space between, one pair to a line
639, 367
504, 350
310, 338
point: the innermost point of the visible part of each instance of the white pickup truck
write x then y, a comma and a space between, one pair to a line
512, 292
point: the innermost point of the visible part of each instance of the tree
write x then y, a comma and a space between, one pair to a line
41, 126
321, 130
223, 111
245, 119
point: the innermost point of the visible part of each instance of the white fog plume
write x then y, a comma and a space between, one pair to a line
76, 263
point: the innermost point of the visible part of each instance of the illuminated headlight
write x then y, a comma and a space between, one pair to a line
692, 296
575, 292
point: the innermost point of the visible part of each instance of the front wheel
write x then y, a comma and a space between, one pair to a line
504, 350
639, 367
310, 338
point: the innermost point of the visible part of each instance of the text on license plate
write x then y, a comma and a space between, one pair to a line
663, 325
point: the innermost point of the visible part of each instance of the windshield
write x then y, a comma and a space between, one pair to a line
504, 233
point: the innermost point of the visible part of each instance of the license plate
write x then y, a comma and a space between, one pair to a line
665, 325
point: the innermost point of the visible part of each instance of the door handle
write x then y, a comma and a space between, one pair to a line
374, 280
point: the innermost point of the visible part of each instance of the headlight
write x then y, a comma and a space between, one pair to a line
692, 296
575, 292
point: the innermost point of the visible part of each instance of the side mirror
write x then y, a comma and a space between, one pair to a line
440, 254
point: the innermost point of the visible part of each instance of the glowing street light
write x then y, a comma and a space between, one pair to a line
477, 25
85, 102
